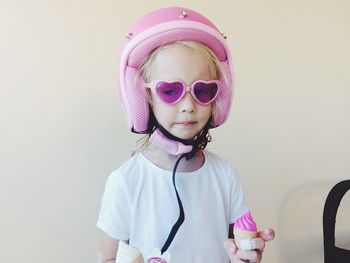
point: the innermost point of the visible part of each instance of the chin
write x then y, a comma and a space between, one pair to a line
188, 132
184, 136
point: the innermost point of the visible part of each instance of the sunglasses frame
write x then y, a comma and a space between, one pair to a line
153, 86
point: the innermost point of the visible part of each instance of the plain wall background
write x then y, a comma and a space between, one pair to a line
62, 129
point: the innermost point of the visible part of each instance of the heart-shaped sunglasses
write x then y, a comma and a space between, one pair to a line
203, 91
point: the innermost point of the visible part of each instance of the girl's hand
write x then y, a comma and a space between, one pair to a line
239, 256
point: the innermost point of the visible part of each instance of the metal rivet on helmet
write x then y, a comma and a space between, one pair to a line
129, 35
183, 14
223, 35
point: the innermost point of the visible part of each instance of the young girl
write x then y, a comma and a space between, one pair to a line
173, 195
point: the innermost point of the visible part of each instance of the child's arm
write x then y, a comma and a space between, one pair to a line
108, 248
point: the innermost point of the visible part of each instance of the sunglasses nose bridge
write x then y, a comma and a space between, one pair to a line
189, 89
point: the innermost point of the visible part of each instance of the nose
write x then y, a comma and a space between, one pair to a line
187, 103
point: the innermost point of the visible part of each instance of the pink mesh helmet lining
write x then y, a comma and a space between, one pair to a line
165, 26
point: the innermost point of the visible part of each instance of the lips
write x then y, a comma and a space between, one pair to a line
187, 123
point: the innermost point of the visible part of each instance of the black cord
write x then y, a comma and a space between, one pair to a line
200, 142
181, 218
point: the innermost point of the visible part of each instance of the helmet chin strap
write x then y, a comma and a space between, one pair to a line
159, 139
177, 146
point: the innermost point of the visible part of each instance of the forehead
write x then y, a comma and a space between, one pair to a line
179, 62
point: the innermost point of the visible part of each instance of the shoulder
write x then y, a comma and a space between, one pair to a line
214, 157
135, 173
133, 162
221, 168
126, 170
136, 162
217, 162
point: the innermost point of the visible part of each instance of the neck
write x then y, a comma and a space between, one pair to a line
166, 160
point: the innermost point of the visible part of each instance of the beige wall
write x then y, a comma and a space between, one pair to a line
62, 129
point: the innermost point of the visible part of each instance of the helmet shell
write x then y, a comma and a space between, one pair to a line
160, 27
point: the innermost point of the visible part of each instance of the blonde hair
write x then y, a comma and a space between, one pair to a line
144, 72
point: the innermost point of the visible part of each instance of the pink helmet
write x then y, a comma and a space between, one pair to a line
155, 29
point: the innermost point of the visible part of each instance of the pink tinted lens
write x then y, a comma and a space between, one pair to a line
169, 92
205, 92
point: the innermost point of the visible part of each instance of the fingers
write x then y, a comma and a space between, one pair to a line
240, 256
254, 247
231, 249
268, 234
252, 243
249, 255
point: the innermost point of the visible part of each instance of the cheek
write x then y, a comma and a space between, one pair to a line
154, 102
207, 112
158, 105
162, 111
152, 97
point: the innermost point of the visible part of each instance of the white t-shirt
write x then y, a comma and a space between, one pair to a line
140, 205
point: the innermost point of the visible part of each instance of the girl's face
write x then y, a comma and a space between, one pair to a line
186, 118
